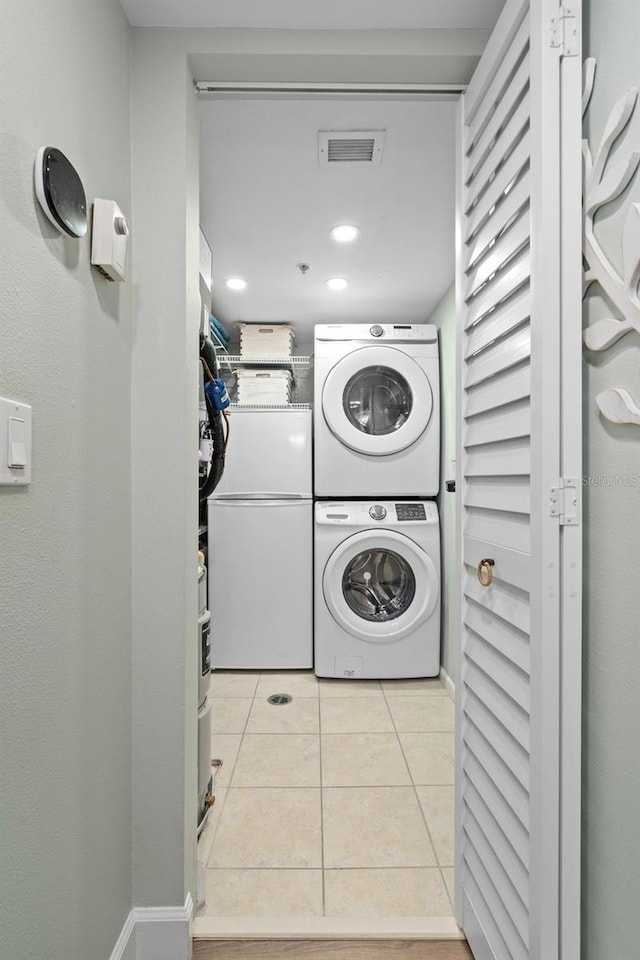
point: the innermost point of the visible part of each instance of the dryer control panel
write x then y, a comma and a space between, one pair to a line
370, 333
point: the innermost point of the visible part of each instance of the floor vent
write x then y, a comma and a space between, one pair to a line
350, 146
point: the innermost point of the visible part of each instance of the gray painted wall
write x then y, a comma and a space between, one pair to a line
65, 558
165, 469
444, 317
611, 776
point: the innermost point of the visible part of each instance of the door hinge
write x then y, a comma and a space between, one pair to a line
564, 501
564, 30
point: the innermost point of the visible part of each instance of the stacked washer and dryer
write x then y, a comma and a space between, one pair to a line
376, 468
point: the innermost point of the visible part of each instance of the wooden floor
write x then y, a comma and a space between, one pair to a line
331, 950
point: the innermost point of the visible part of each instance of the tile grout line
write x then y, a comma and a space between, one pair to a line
228, 787
341, 786
322, 785
396, 866
323, 878
422, 813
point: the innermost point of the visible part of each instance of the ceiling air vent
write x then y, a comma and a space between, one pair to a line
350, 146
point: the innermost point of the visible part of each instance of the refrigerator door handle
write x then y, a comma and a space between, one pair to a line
259, 502
259, 497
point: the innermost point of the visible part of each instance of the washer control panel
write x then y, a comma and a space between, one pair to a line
410, 511
389, 513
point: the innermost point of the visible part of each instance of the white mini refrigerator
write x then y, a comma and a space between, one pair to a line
260, 530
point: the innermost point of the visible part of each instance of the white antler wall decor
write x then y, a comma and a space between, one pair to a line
617, 406
601, 186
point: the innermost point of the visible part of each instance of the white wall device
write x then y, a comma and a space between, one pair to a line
109, 234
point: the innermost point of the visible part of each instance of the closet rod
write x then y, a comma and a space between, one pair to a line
429, 91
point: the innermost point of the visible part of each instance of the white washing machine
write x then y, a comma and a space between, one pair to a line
377, 589
377, 403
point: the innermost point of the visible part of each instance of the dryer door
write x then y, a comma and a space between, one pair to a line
380, 586
377, 400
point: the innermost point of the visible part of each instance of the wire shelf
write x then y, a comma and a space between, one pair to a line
293, 361
270, 406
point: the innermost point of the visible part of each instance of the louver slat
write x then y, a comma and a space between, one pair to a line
512, 457
497, 141
475, 905
502, 320
502, 636
516, 200
516, 876
508, 604
509, 135
507, 423
503, 710
511, 494
481, 754
499, 668
509, 281
494, 798
515, 928
510, 243
503, 355
498, 188
515, 758
510, 529
514, 384
499, 82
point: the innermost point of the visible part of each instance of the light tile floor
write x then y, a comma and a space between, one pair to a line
337, 804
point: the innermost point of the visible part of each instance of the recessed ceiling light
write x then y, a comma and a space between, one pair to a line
337, 283
344, 233
236, 283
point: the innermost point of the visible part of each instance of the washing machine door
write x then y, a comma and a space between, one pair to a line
380, 586
377, 400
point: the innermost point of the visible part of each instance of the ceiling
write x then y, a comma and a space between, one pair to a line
314, 14
267, 205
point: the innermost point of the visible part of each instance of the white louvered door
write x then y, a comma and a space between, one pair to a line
513, 261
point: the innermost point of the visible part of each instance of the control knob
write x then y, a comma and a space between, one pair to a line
377, 512
376, 330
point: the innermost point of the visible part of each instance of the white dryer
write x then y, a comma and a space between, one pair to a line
377, 403
377, 589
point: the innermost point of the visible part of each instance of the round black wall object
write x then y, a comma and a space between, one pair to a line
60, 192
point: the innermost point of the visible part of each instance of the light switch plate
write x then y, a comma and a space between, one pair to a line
15, 442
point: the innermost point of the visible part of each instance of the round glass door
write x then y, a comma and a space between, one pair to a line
377, 400
378, 585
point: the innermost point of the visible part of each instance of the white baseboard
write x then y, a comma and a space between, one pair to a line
156, 933
448, 684
125, 948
